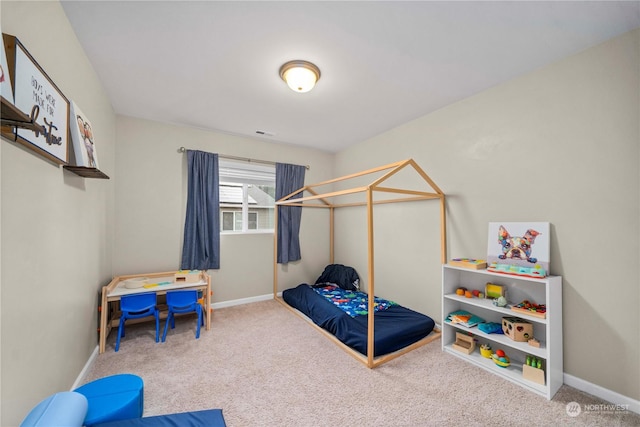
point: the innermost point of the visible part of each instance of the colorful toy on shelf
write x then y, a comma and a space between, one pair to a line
187, 276
536, 271
493, 291
534, 362
464, 343
469, 294
533, 369
486, 351
534, 343
463, 318
532, 309
517, 329
491, 328
473, 264
500, 358
500, 302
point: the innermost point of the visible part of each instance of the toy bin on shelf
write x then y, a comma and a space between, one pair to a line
464, 343
517, 329
533, 374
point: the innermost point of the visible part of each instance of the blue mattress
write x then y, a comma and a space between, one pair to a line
394, 328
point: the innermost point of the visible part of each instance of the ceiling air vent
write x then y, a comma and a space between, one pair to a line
265, 133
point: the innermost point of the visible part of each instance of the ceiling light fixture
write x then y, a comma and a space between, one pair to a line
301, 76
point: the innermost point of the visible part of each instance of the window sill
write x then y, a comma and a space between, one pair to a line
244, 233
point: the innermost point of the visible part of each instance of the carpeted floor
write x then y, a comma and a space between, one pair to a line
264, 366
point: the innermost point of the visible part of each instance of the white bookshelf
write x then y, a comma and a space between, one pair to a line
547, 330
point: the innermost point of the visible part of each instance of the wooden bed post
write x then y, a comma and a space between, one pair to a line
331, 235
443, 231
275, 251
370, 331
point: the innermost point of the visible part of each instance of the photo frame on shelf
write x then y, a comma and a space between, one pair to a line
6, 89
521, 244
82, 138
37, 96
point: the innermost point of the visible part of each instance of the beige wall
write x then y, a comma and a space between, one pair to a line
560, 144
151, 195
557, 145
56, 229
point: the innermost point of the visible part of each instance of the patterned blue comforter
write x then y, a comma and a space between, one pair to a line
354, 303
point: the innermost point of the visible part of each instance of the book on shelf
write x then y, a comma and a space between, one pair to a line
464, 318
474, 264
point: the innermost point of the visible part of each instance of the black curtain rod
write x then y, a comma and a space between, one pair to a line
243, 159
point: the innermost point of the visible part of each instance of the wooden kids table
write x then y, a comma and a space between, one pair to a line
111, 294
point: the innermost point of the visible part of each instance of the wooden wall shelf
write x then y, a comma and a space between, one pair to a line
86, 172
12, 116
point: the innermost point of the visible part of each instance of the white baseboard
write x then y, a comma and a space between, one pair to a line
603, 393
80, 380
241, 301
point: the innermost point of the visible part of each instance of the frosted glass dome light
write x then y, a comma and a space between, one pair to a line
300, 76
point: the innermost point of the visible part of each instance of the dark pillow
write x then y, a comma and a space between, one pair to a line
345, 277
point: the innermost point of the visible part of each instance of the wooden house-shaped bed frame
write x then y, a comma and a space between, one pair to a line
322, 200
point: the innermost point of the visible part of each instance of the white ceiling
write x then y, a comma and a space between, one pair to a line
214, 65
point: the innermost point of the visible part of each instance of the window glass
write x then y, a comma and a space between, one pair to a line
253, 220
227, 221
247, 196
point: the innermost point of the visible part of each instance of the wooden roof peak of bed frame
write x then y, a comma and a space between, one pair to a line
375, 185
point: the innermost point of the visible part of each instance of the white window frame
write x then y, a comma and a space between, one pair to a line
245, 173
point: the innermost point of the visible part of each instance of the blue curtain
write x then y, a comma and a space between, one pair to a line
289, 178
201, 247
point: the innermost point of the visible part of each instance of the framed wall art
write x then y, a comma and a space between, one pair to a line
36, 95
522, 244
82, 136
6, 89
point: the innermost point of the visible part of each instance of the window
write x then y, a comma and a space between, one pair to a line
247, 197
232, 221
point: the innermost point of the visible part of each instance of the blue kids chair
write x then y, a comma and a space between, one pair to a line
135, 307
184, 301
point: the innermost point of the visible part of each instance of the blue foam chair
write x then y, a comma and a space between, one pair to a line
137, 306
184, 301
113, 398
64, 409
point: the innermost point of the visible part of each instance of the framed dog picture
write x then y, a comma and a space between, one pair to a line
522, 244
82, 136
